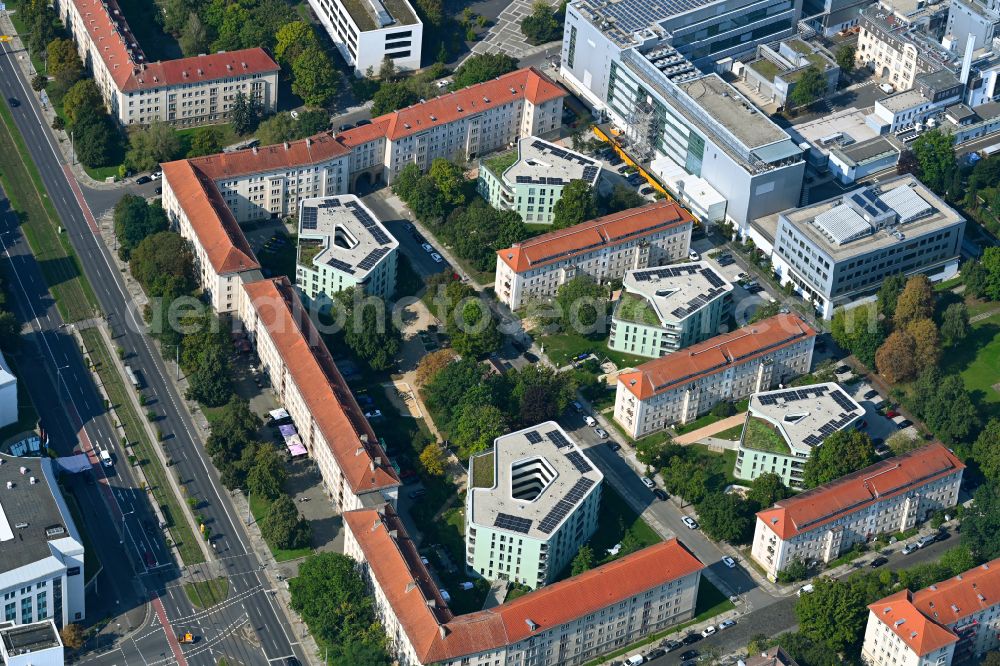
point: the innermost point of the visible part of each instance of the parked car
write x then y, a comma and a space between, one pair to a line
670, 645
690, 639
691, 523
655, 653
842, 369
614, 446
926, 540
690, 654
635, 660
708, 631
878, 561
871, 394
648, 482
408, 476
694, 256
418, 493
910, 548
891, 414
156, 175
345, 127
661, 494
886, 88
374, 414
577, 407
159, 190
427, 247
725, 624
646, 190
362, 122
436, 257
805, 589
601, 432
589, 420
905, 423
729, 562
530, 358
13, 101
142, 180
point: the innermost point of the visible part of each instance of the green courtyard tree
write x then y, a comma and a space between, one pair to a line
542, 24
845, 58
135, 220
981, 523
945, 406
194, 39
205, 141
476, 428
541, 394
727, 517
990, 261
889, 292
482, 67
955, 324
935, 153
859, 330
149, 146
234, 428
283, 527
278, 128
433, 459
767, 489
583, 561
292, 39
582, 305
576, 205
245, 113
986, 451
392, 96
833, 614
314, 78
267, 475
163, 263
916, 301
810, 87
843, 452
449, 180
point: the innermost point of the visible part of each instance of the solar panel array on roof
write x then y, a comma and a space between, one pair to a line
696, 302
505, 521
562, 154
565, 505
843, 401
558, 439
373, 258
635, 15
309, 218
533, 436
340, 265
713, 278
907, 203
590, 172
828, 428
380, 236
666, 272
842, 224
578, 461
792, 395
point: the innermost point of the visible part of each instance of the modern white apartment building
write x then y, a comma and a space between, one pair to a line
343, 245
188, 91
631, 62
784, 426
530, 179
41, 552
367, 32
839, 250
603, 249
679, 387
533, 501
356, 471
954, 621
891, 496
665, 309
564, 624
222, 255
36, 644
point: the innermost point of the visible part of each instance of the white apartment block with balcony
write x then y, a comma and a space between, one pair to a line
187, 91
680, 387
891, 496
367, 32
954, 621
784, 426
542, 505
602, 249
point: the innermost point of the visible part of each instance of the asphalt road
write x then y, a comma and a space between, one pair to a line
270, 627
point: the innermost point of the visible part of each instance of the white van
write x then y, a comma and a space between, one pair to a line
105, 456
805, 589
635, 660
589, 420
886, 88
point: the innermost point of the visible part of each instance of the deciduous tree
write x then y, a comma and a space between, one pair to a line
205, 141
576, 205
63, 63
845, 58
583, 305
431, 364
135, 220
283, 527
935, 153
981, 524
449, 180
727, 517
833, 614
291, 40
986, 451
194, 39
479, 68
151, 145
889, 292
916, 301
955, 324
278, 128
392, 96
810, 87
433, 459
72, 636
841, 453
83, 96
895, 358
767, 489
163, 263
314, 78
267, 475
926, 343
476, 428
583, 561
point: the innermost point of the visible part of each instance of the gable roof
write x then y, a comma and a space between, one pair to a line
343, 425
294, 154
227, 248
715, 355
919, 633
593, 234
117, 46
958, 597
438, 635
875, 483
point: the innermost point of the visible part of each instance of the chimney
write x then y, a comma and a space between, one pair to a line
255, 150
286, 145
309, 141
970, 46
358, 451
363, 438
394, 533
431, 603
378, 460
442, 631
376, 524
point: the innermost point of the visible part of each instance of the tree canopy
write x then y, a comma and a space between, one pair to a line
810, 86
727, 517
392, 96
283, 527
543, 24
163, 264
935, 154
841, 453
482, 67
577, 204
134, 220
981, 524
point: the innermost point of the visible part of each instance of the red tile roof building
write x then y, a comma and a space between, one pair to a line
890, 496
603, 248
681, 386
305, 380
956, 620
186, 91
566, 623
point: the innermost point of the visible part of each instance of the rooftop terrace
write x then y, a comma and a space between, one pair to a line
351, 239
798, 418
672, 293
543, 163
365, 13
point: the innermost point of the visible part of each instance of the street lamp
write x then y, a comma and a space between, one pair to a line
125, 515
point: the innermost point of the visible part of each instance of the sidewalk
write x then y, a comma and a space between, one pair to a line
711, 429
62, 139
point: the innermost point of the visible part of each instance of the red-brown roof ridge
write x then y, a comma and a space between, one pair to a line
438, 635
883, 480
341, 421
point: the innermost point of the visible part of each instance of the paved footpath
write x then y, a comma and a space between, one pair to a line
505, 35
711, 429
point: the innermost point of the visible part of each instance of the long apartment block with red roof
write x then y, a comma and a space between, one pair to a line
603, 249
891, 496
186, 91
680, 387
305, 380
567, 623
954, 621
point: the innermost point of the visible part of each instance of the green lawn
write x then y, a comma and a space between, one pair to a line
501, 162
42, 226
977, 359
259, 507
180, 531
482, 471
561, 348
732, 434
228, 136
763, 436
207, 593
636, 309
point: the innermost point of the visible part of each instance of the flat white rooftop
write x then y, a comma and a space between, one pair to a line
540, 477
676, 292
849, 124
350, 238
805, 415
542, 163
